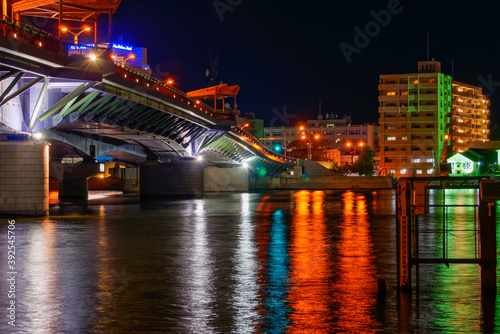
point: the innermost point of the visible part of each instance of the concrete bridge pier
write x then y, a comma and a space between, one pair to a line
73, 179
226, 179
24, 178
178, 178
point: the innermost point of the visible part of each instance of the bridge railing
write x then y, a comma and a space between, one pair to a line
264, 149
25, 33
146, 80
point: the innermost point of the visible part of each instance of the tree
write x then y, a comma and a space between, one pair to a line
365, 163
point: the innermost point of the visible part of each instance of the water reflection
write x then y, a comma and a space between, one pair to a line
355, 288
41, 279
198, 279
243, 263
246, 290
276, 319
309, 265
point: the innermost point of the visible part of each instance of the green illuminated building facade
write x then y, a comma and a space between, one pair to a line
414, 116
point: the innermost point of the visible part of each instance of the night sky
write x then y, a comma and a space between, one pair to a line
287, 53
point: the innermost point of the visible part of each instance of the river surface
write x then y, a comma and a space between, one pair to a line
284, 262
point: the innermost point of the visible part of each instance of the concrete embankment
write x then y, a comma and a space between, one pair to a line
321, 182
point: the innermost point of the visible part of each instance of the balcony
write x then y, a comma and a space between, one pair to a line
392, 143
392, 120
398, 130
464, 94
424, 119
424, 130
428, 85
388, 109
428, 107
462, 104
397, 153
388, 98
424, 96
388, 86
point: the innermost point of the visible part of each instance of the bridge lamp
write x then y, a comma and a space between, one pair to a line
361, 144
303, 137
316, 137
37, 136
93, 57
244, 165
170, 81
65, 29
199, 158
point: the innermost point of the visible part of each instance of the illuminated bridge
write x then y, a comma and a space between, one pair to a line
91, 106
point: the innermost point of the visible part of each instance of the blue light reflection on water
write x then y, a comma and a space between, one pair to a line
276, 319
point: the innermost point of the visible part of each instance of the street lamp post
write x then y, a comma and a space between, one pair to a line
309, 142
65, 29
132, 56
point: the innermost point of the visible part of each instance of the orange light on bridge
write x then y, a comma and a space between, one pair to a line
446, 137
348, 144
170, 81
361, 144
301, 128
316, 137
303, 137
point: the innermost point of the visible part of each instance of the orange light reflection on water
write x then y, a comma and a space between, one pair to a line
309, 266
357, 281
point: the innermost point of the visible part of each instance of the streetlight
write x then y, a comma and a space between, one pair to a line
170, 81
65, 29
307, 134
132, 56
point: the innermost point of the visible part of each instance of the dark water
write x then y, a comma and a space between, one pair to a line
297, 262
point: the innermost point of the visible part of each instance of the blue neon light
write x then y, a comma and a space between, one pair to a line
122, 47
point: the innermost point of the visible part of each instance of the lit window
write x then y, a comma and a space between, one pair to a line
403, 171
392, 172
391, 93
404, 138
419, 171
429, 171
404, 93
430, 160
101, 168
391, 138
415, 81
416, 161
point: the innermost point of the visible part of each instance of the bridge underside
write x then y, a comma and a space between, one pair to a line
76, 100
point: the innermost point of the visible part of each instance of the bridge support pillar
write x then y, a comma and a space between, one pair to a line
73, 179
182, 178
24, 178
73, 190
219, 179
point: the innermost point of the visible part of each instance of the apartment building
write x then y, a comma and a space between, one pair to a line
337, 131
413, 113
469, 116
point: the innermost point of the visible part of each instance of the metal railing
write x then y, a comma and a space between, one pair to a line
28, 34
